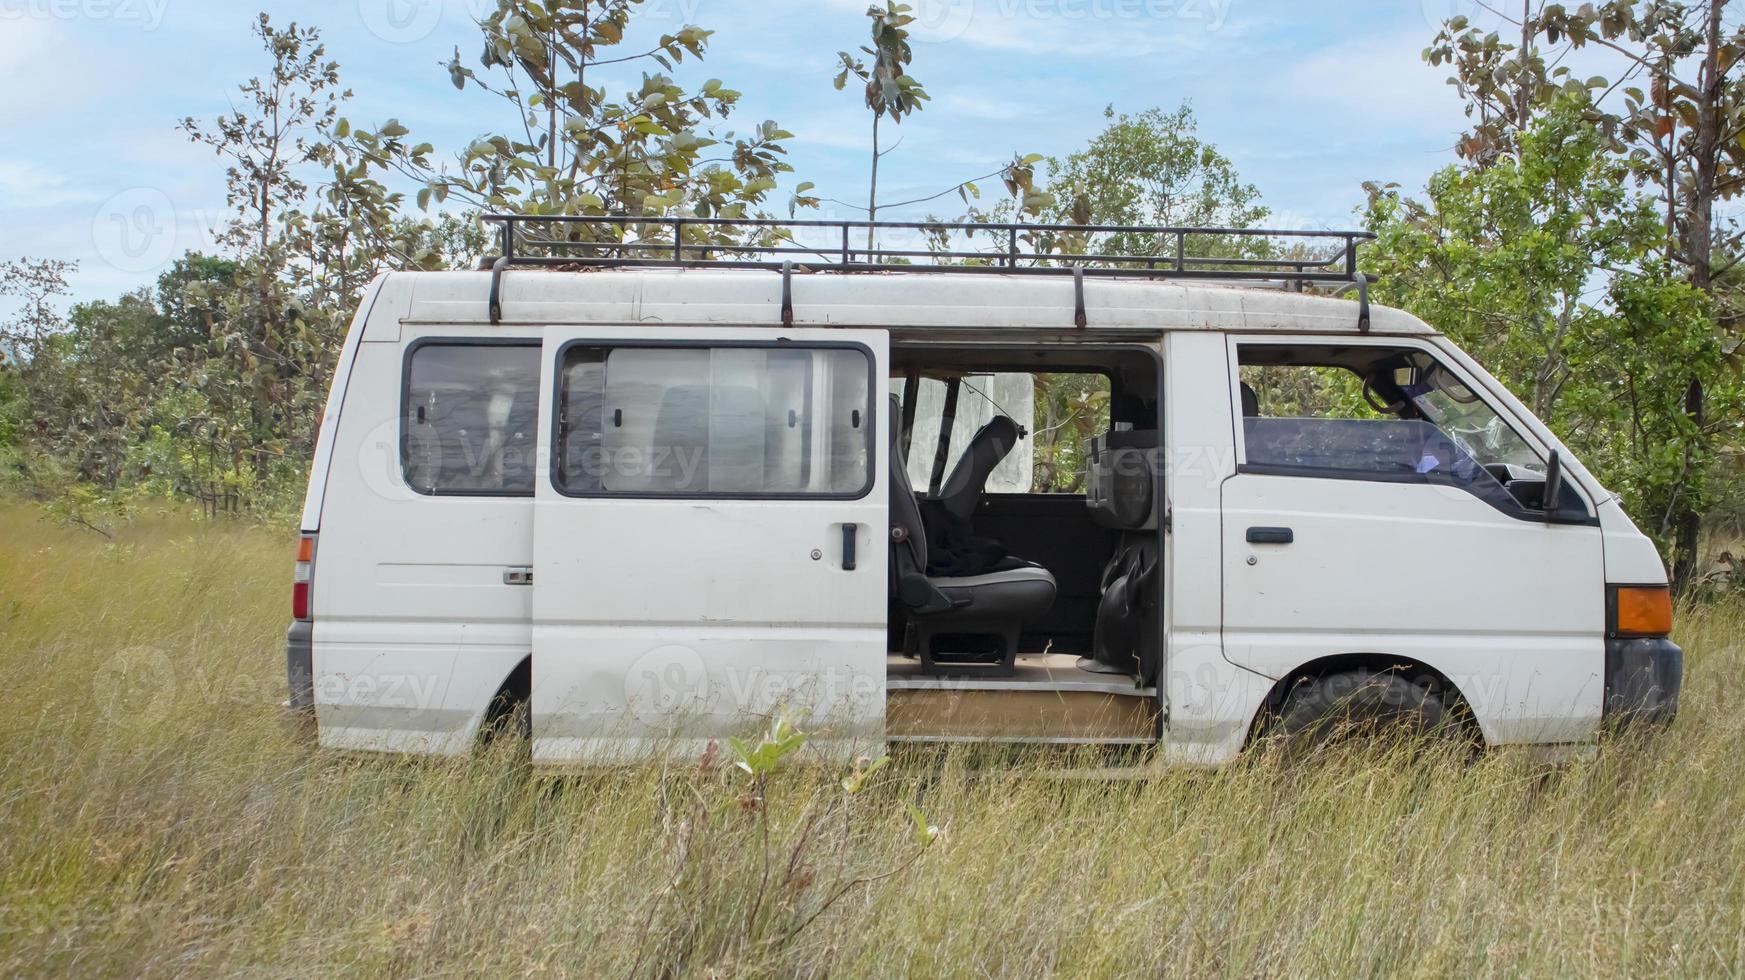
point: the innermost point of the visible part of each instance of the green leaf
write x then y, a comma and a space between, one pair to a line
925, 833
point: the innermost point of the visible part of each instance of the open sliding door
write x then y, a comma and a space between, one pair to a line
710, 543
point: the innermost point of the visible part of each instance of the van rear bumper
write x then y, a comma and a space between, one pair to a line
300, 666
1643, 678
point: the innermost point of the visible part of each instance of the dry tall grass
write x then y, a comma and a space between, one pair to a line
156, 818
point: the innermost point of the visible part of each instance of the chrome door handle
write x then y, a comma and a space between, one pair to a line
518, 576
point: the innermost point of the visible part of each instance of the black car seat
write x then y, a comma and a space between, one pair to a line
964, 489
995, 605
1121, 483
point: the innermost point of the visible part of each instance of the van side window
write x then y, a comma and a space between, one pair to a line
714, 421
1060, 414
469, 417
1382, 414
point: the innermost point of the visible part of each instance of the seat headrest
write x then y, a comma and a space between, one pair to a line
1250, 402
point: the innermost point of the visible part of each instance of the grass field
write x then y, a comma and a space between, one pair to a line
156, 817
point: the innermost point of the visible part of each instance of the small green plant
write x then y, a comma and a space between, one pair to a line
771, 861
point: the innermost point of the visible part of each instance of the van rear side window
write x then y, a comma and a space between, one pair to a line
728, 421
468, 425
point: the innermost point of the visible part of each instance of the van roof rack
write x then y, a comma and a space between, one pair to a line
1253, 255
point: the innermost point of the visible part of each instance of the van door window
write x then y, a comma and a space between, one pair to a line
1384, 414
467, 422
714, 421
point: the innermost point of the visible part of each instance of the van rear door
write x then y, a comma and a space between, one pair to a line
428, 513
710, 542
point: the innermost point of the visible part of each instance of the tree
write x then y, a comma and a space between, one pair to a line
890, 89
35, 285
1502, 84
277, 131
567, 149
1539, 264
26, 352
1152, 169
264, 372
1682, 136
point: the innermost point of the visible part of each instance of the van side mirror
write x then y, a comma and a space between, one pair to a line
1553, 486
1555, 511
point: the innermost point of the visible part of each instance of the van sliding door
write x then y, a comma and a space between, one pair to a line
710, 541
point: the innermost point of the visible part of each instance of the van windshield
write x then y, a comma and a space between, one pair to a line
1457, 411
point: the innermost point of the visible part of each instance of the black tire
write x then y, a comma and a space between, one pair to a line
1367, 704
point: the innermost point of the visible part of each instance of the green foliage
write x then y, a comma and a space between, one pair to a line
1153, 169
566, 147
1539, 265
890, 89
1071, 410
1146, 169
1677, 132
761, 759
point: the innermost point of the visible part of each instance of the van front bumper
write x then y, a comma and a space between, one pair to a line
1643, 678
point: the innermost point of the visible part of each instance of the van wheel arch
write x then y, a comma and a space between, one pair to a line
1458, 709
509, 712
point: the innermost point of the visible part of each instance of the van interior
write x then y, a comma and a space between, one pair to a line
1026, 552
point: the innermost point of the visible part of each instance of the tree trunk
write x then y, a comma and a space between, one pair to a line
1698, 246
872, 200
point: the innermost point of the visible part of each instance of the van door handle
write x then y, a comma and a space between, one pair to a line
518, 576
849, 533
1271, 535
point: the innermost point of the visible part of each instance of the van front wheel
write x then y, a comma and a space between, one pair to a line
1370, 704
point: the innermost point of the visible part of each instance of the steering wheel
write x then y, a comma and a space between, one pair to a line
1375, 400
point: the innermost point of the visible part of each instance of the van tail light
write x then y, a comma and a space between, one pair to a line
1640, 610
303, 583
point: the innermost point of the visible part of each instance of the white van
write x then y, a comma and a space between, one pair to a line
652, 498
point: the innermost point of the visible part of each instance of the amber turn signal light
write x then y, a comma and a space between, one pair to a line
1642, 610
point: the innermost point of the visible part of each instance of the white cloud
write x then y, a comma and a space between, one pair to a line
1379, 79
24, 184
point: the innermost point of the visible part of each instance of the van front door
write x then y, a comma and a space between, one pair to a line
710, 543
1383, 508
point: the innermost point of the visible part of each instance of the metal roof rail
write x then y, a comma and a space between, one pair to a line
1250, 255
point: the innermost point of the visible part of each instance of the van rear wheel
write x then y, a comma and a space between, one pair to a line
1361, 704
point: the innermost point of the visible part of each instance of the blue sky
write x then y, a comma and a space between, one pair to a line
1308, 97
